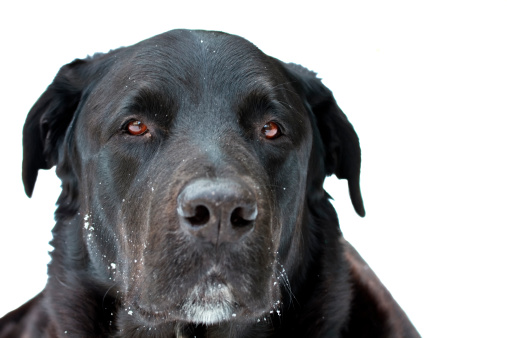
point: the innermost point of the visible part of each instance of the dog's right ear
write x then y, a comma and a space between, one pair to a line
47, 121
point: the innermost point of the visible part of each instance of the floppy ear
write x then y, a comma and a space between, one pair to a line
341, 144
47, 122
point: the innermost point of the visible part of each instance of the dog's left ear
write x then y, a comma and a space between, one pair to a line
341, 144
47, 121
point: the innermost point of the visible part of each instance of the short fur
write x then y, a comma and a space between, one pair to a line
127, 260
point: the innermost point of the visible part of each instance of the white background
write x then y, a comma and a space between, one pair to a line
425, 86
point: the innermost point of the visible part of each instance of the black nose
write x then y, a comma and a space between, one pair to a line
217, 210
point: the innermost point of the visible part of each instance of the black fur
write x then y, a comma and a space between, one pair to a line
129, 262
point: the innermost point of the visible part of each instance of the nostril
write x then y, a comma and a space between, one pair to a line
240, 218
201, 216
217, 210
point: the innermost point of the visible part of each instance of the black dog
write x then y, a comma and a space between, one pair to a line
192, 203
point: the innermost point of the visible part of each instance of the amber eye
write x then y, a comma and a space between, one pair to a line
136, 128
271, 130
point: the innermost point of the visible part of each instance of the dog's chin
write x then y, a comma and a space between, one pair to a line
209, 303
206, 303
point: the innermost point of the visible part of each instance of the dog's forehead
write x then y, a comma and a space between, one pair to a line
185, 67
194, 60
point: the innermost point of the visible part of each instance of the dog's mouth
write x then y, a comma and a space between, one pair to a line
210, 301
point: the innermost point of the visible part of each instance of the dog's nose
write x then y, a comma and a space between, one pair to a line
217, 210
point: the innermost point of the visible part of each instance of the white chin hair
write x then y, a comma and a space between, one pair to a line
209, 304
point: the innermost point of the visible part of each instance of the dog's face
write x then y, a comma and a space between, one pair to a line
183, 181
186, 162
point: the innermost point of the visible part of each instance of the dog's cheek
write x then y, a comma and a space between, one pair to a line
113, 214
289, 184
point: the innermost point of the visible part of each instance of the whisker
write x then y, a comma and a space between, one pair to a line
105, 294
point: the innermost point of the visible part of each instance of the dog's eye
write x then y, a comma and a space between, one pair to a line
136, 128
271, 130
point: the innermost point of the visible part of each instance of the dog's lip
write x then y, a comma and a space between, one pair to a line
151, 315
154, 316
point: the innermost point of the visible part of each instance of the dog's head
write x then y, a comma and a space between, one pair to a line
188, 162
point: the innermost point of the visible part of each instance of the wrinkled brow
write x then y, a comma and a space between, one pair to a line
148, 100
